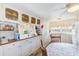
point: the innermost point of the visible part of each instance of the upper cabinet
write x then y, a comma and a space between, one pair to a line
11, 14
33, 20
38, 21
25, 18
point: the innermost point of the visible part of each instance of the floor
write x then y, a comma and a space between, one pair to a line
40, 52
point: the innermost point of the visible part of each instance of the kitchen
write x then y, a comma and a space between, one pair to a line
24, 33
17, 32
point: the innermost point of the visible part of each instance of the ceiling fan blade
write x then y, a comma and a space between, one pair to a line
59, 9
64, 12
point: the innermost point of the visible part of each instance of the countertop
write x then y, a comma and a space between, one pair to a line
14, 40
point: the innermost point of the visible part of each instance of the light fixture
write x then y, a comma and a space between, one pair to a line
72, 7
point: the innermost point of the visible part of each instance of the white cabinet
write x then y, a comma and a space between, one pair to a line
20, 48
30, 45
26, 47
1, 50
36, 44
38, 41
33, 44
11, 49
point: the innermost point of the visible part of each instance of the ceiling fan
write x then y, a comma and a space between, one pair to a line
69, 8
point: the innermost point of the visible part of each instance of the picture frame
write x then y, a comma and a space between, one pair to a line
25, 18
11, 14
33, 20
38, 21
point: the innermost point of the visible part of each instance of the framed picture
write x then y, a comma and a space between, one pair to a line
25, 18
38, 21
33, 20
11, 14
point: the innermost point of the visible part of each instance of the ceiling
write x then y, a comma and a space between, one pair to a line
42, 9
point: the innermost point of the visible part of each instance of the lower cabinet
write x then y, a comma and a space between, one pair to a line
26, 47
20, 48
1, 50
11, 49
36, 44
30, 46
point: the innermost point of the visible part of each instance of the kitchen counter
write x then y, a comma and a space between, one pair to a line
14, 40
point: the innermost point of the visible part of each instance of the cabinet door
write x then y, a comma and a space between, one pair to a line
18, 47
10, 50
38, 42
26, 47
1, 50
35, 44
